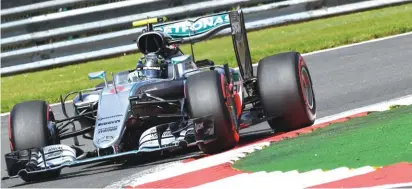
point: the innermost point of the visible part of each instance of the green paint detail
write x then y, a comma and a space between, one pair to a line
181, 59
379, 139
235, 76
189, 28
97, 75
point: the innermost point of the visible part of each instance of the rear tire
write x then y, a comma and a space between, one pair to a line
206, 96
28, 128
286, 91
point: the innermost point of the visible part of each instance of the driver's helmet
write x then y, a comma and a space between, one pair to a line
150, 66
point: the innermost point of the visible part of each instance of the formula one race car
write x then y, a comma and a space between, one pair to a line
169, 101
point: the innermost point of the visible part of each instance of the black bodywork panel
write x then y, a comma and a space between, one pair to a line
170, 89
241, 44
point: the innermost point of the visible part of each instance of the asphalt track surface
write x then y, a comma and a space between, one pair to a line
344, 79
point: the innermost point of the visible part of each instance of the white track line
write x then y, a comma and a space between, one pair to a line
290, 179
182, 168
157, 168
307, 54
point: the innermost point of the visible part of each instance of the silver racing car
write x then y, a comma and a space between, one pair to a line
168, 101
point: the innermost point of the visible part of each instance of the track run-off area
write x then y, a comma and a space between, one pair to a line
344, 78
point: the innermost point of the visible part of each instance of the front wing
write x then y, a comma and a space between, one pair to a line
66, 158
58, 156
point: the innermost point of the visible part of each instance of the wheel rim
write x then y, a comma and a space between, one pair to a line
307, 87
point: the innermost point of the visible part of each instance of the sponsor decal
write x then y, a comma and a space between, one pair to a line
102, 118
108, 122
54, 155
171, 144
151, 68
204, 127
190, 28
107, 129
236, 28
118, 89
199, 126
165, 134
53, 148
105, 138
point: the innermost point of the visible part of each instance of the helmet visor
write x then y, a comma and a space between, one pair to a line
149, 73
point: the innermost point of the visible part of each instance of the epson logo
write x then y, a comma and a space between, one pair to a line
109, 122
108, 129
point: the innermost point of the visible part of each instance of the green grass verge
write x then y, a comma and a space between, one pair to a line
303, 37
381, 138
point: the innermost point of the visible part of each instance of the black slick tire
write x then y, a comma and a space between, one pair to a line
207, 94
28, 129
286, 91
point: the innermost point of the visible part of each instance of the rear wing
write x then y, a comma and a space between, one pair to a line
194, 30
202, 28
241, 44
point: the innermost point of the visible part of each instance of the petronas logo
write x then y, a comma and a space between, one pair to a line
189, 28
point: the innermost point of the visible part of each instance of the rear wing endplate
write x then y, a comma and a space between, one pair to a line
240, 44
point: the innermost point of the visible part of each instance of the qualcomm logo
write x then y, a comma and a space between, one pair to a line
182, 29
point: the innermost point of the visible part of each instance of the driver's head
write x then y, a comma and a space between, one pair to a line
151, 66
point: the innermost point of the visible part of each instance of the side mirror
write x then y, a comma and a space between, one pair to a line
98, 75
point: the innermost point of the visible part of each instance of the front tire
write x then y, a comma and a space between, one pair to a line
286, 91
29, 128
207, 94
